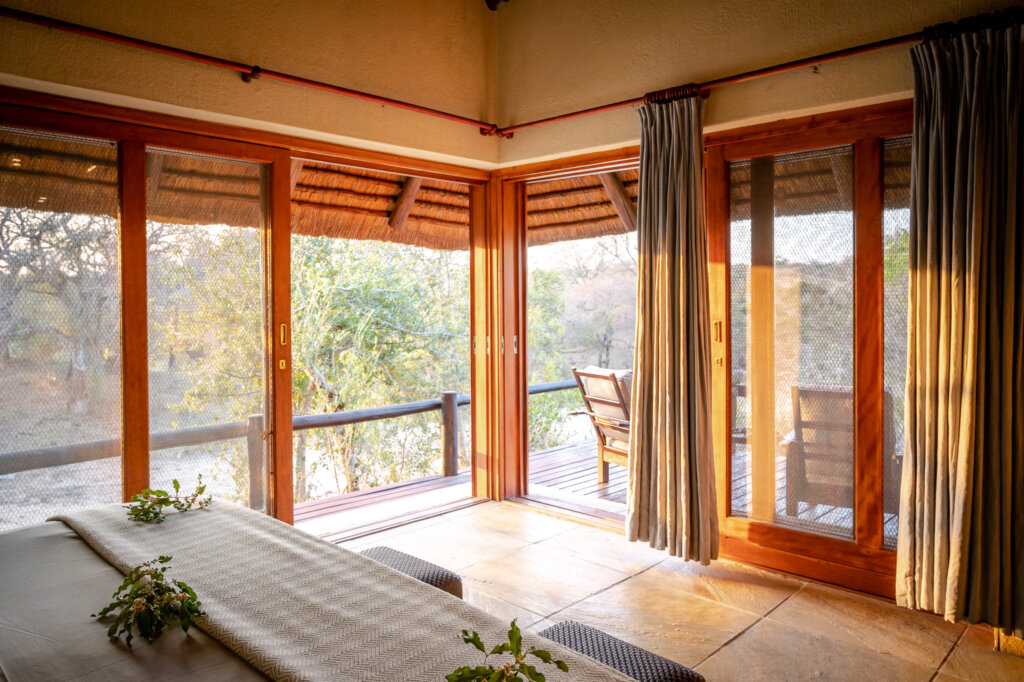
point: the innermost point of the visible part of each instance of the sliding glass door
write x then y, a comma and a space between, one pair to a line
380, 294
807, 224
206, 263
136, 309
791, 276
581, 275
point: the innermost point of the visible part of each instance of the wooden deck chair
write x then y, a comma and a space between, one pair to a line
606, 401
820, 451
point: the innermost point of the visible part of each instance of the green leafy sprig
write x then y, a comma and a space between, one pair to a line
148, 602
148, 505
518, 671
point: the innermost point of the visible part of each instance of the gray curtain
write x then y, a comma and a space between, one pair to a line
671, 500
961, 526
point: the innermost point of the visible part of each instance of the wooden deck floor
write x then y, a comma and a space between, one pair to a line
367, 511
570, 471
566, 474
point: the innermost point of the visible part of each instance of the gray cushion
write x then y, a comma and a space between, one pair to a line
424, 571
638, 663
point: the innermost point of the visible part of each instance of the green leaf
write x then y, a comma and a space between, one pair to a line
473, 639
515, 639
148, 607
532, 674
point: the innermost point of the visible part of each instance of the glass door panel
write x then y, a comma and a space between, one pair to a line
60, 347
896, 273
206, 235
581, 313
381, 347
792, 247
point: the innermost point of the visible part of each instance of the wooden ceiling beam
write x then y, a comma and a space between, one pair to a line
620, 199
404, 202
296, 171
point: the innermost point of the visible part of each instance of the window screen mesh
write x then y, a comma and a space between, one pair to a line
792, 245
896, 243
60, 366
205, 269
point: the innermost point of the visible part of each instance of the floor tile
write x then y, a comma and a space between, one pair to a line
728, 620
733, 584
651, 611
974, 659
606, 548
542, 624
454, 544
499, 608
921, 638
517, 521
540, 579
381, 538
774, 652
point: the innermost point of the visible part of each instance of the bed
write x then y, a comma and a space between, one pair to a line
281, 604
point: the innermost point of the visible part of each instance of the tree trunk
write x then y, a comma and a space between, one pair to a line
301, 493
78, 385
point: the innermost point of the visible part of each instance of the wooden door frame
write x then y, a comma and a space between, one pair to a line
508, 192
862, 564
135, 130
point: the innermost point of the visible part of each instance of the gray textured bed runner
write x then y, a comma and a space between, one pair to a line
299, 608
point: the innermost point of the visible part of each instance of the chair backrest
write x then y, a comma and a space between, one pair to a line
606, 395
823, 421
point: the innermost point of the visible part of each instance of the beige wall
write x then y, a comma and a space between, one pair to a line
530, 59
554, 57
438, 53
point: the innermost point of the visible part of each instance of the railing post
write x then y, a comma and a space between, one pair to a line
257, 481
450, 431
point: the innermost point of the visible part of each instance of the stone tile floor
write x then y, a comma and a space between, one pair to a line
727, 621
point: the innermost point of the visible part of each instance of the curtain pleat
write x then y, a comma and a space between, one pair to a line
671, 500
961, 527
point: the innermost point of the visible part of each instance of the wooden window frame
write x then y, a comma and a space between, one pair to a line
862, 564
498, 305
134, 131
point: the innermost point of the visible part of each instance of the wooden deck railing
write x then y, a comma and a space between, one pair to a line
253, 431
